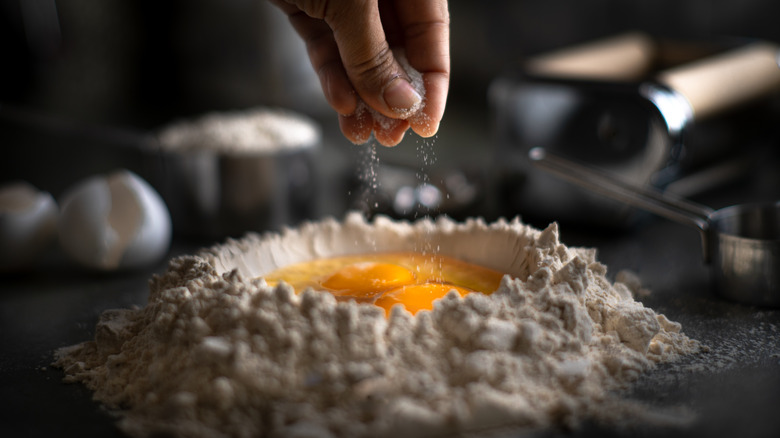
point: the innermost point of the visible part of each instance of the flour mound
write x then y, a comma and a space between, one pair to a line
256, 130
216, 352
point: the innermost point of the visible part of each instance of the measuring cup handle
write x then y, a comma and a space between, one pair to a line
678, 210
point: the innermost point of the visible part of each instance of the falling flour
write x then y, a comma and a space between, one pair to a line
216, 352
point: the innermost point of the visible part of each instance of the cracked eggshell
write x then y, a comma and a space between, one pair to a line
114, 221
28, 224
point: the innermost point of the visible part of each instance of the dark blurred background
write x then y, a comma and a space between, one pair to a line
81, 82
143, 62
79, 76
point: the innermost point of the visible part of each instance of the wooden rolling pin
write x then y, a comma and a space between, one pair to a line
726, 81
711, 85
624, 57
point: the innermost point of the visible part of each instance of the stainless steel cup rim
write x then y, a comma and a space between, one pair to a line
751, 231
762, 221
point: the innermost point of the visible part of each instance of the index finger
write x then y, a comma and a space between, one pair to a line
426, 33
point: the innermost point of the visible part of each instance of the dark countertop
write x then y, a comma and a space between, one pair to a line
734, 389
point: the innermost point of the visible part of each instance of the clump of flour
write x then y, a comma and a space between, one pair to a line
255, 130
217, 352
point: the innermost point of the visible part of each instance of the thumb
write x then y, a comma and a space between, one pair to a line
369, 63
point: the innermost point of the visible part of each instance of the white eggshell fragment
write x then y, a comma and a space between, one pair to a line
28, 224
114, 221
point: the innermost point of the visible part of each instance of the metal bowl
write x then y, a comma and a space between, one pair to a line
214, 190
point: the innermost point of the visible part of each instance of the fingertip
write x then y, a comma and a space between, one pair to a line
390, 132
424, 126
356, 127
426, 122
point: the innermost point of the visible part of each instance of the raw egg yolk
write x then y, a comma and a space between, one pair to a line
417, 297
411, 279
365, 280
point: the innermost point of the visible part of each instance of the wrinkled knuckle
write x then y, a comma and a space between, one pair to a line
341, 10
424, 28
374, 71
313, 8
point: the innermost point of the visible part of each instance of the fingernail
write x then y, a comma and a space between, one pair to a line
401, 96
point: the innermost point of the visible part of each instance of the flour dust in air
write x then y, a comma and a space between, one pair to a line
368, 178
429, 197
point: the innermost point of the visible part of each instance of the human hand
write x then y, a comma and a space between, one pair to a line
350, 45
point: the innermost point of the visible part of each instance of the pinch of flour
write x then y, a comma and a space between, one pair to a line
416, 80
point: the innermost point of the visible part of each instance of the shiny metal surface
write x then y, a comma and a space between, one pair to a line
741, 243
213, 195
634, 131
746, 262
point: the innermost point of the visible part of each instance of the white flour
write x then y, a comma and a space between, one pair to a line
216, 352
256, 130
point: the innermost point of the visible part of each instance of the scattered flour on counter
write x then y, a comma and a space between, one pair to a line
218, 353
255, 130
746, 344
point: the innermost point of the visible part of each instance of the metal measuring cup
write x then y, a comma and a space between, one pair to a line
741, 243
